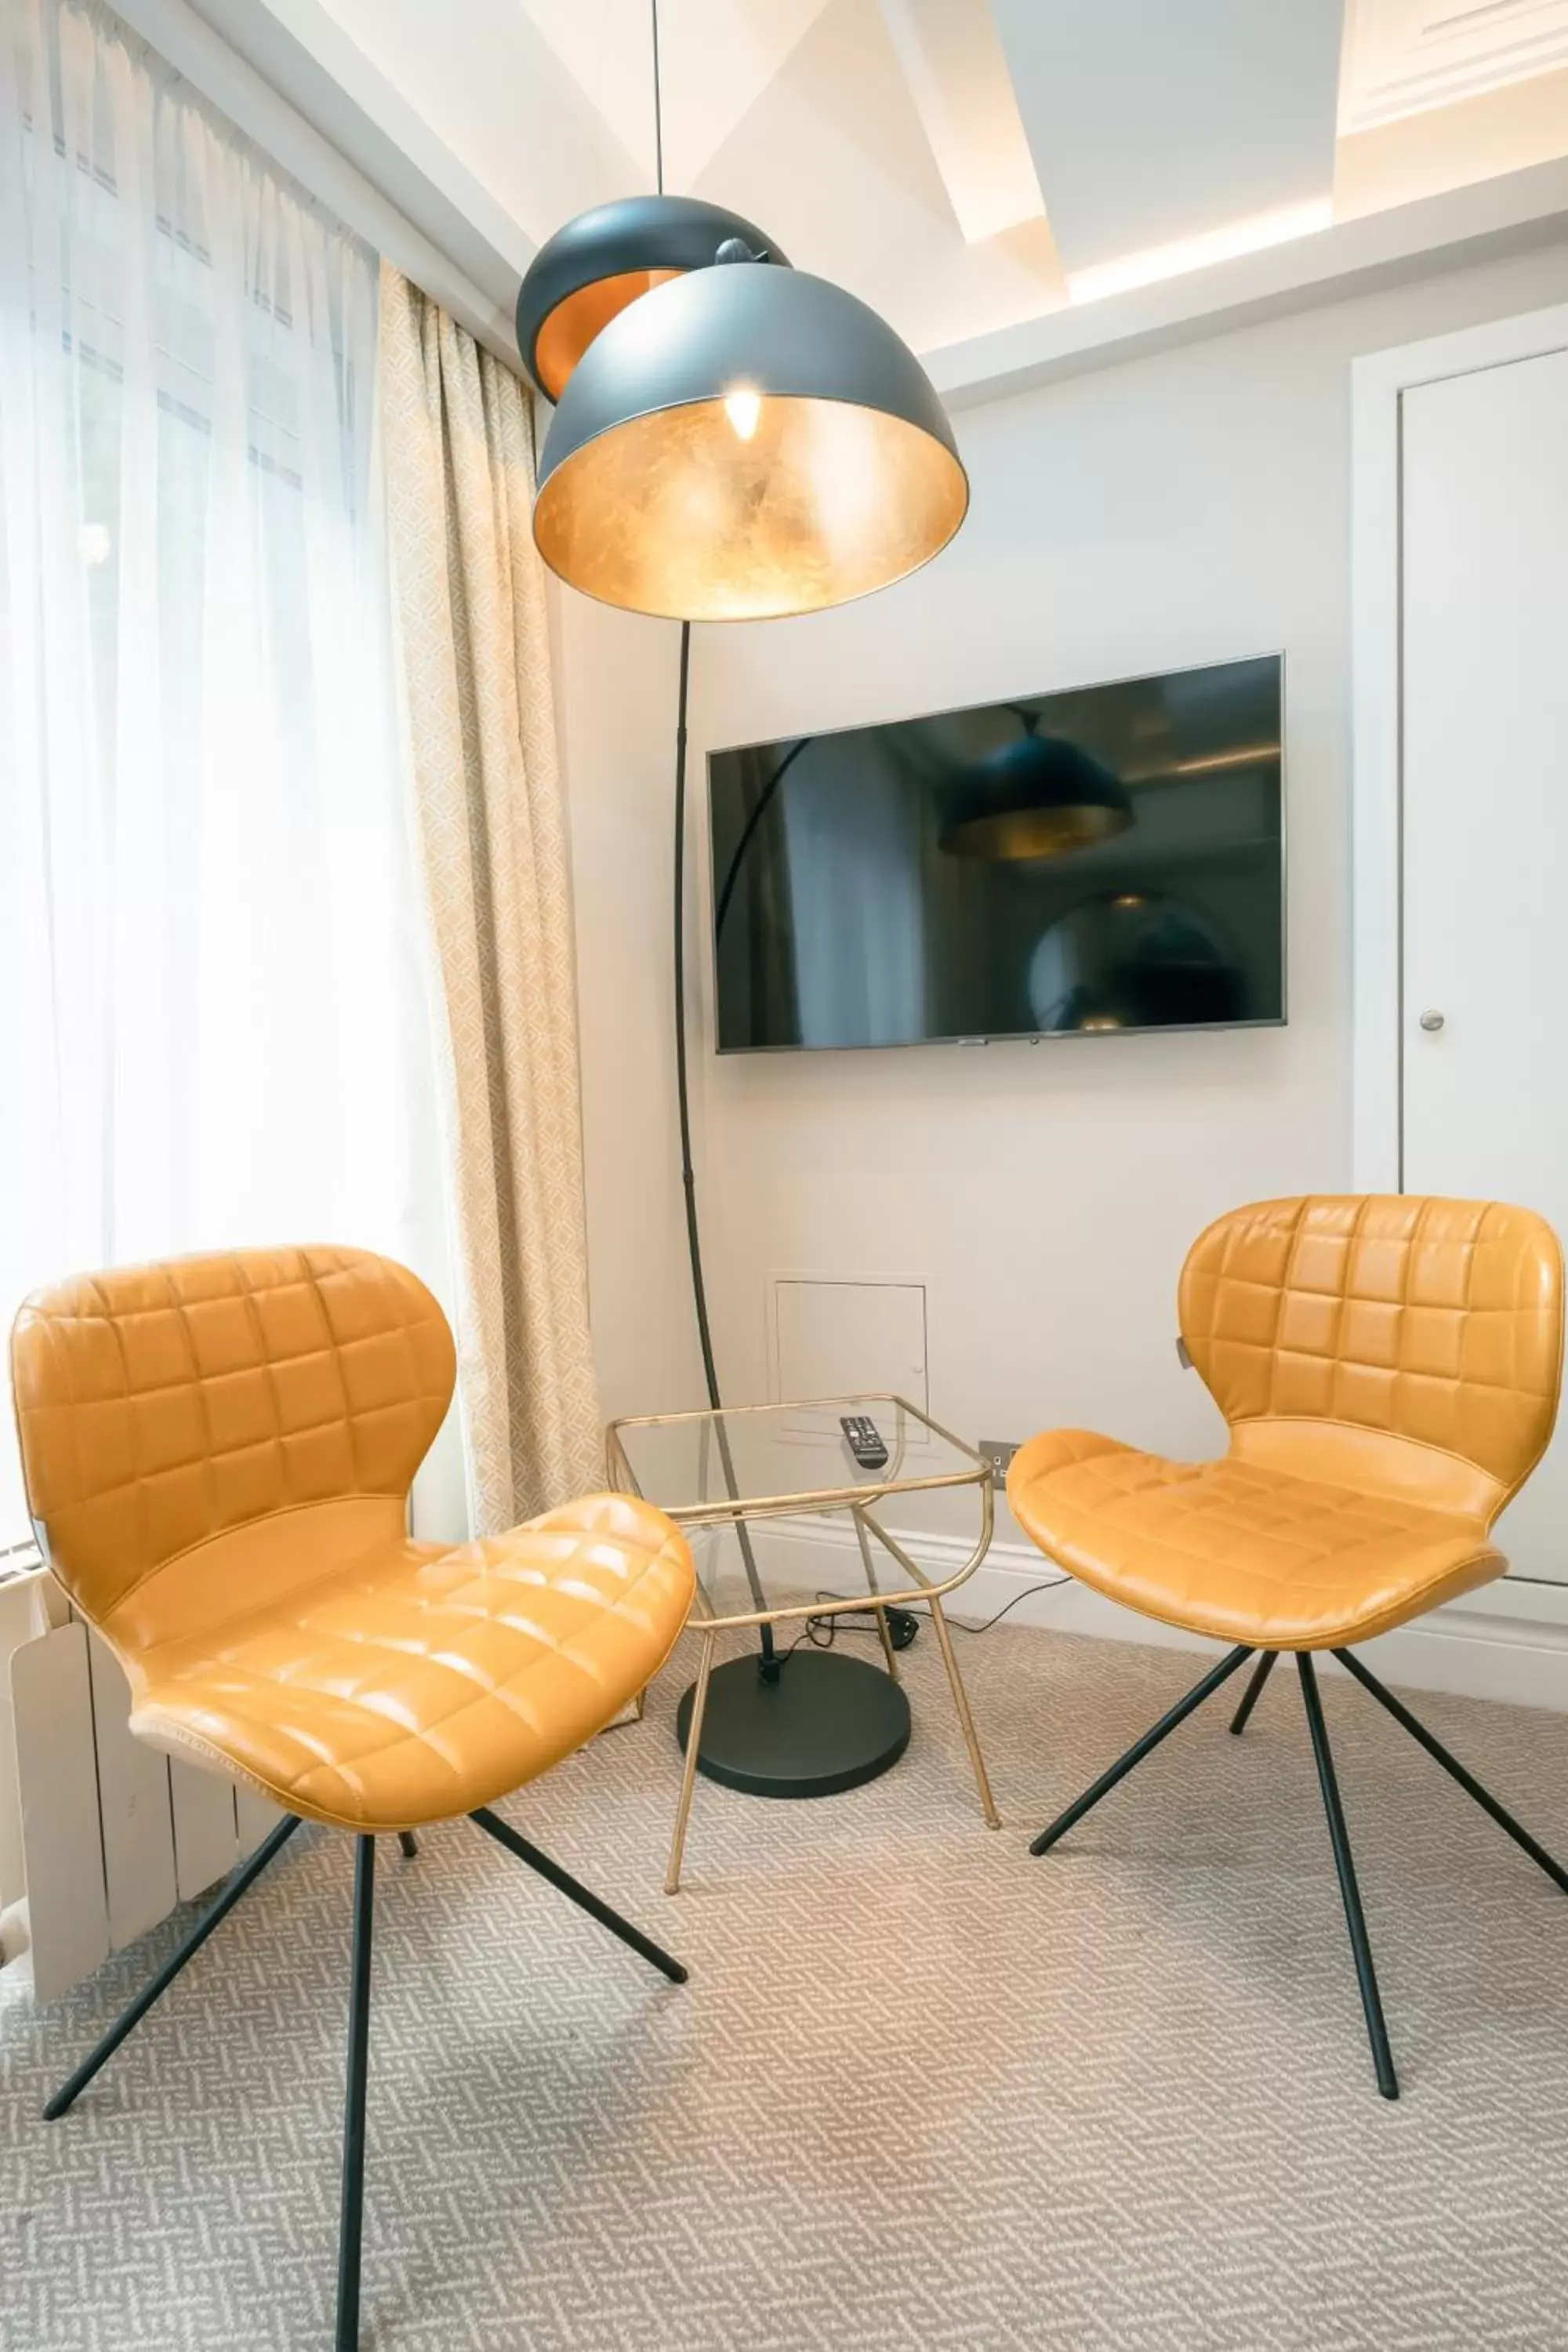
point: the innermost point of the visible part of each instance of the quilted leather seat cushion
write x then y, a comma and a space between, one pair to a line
1237, 1551
417, 1682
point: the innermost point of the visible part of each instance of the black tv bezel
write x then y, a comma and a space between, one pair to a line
1280, 1020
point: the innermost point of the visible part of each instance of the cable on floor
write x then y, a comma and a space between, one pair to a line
823, 1632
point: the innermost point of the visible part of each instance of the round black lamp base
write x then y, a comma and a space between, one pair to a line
828, 1723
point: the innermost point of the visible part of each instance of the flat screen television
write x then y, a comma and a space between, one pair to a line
1107, 858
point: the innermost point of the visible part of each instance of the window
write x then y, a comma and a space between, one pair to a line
213, 1022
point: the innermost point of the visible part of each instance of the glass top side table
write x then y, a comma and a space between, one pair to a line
798, 1720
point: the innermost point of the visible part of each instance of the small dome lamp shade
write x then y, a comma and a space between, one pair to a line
1039, 797
743, 443
589, 271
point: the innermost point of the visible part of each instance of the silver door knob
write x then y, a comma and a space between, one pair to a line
1431, 1022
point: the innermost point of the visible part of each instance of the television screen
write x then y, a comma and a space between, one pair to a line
1107, 858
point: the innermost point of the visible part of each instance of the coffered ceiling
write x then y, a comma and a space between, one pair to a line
1406, 57
966, 165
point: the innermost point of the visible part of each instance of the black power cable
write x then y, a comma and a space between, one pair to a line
822, 1631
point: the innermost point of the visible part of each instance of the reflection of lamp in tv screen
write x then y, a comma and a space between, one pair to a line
888, 884
1039, 797
1132, 959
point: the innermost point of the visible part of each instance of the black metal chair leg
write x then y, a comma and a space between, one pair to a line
409, 1844
1254, 1692
504, 1834
1451, 1765
350, 2223
1135, 1755
249, 1871
1338, 1836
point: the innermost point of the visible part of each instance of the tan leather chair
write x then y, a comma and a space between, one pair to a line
218, 1453
1390, 1369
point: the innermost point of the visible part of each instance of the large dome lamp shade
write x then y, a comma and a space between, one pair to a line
1039, 797
591, 269
742, 443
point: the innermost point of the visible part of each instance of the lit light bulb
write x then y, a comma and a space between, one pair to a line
743, 408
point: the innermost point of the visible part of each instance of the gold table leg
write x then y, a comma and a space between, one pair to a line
944, 1638
961, 1701
689, 1776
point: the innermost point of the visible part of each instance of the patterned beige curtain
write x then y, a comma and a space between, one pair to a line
469, 603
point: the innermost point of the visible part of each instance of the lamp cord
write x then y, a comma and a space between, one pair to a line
847, 1620
658, 107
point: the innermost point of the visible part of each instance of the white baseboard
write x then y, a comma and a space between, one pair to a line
1509, 1640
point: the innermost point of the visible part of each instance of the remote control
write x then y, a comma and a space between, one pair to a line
864, 1440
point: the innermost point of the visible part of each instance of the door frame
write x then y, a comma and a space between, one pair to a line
1379, 381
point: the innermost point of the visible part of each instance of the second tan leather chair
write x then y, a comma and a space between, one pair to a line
1390, 1369
218, 1453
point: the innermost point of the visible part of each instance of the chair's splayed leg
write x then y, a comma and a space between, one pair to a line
350, 2223
408, 1844
1135, 1755
1355, 1920
1451, 1765
248, 1873
1253, 1693
504, 1834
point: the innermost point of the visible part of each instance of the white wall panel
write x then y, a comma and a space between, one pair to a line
255, 1817
62, 1845
206, 1842
135, 1807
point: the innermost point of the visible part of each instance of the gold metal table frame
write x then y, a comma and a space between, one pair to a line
859, 1500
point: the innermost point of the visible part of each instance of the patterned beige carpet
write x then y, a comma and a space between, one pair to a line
920, 2092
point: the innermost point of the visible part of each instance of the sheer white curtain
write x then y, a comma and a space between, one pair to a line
213, 1022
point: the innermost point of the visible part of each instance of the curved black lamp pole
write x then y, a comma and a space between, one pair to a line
770, 1660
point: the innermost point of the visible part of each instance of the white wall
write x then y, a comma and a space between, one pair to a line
1185, 507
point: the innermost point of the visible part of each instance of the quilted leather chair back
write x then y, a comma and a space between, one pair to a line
1377, 1333
161, 1406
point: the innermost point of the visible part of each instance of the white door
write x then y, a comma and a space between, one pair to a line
1484, 1053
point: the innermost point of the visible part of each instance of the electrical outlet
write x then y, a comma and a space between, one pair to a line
998, 1452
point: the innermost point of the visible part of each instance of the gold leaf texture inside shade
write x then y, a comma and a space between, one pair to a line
679, 514
573, 323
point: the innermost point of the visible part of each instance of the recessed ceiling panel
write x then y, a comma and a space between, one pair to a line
482, 78
1156, 120
958, 78
716, 57
842, 172
1405, 56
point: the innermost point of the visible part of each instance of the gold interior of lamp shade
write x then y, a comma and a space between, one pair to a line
685, 514
1008, 834
573, 323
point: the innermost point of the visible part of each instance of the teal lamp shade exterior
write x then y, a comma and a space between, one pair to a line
742, 442
1039, 797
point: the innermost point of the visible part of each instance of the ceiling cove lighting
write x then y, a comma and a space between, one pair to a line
733, 440
1253, 234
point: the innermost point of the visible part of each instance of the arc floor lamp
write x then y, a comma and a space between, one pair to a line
733, 440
